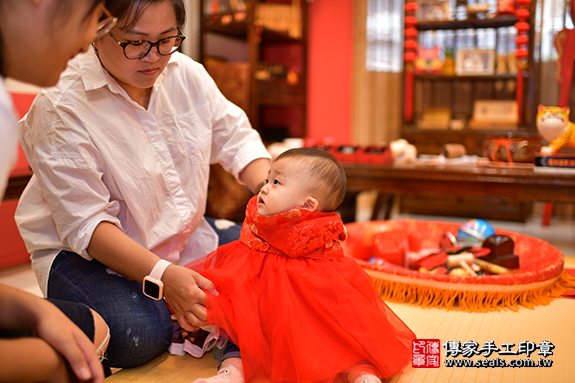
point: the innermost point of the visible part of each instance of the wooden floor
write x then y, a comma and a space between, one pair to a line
554, 323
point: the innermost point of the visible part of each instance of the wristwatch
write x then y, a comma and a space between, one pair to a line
153, 286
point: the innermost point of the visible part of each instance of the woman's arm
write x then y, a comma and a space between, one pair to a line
255, 173
183, 288
58, 339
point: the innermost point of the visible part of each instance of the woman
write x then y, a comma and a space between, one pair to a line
121, 149
37, 341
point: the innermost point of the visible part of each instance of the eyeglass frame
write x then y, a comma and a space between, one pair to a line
106, 25
152, 44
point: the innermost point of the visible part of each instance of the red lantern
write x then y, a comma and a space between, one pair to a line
521, 39
522, 26
521, 53
409, 56
522, 13
410, 33
411, 7
410, 44
410, 21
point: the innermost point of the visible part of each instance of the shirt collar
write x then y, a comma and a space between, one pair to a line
95, 76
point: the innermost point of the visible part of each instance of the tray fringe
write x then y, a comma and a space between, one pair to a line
459, 297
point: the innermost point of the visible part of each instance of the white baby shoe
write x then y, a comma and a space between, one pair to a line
367, 378
228, 374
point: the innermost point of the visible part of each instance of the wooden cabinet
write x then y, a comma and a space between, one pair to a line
431, 95
256, 51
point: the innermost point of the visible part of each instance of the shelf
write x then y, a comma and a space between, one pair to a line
239, 30
496, 22
514, 132
494, 77
235, 29
266, 35
280, 93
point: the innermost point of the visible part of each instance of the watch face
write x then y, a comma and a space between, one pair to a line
151, 289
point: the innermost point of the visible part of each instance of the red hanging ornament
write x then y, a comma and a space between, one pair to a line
521, 53
410, 44
521, 39
410, 21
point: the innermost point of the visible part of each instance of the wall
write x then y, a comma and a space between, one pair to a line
329, 69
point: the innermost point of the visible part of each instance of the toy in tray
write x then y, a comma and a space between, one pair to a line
476, 250
539, 279
474, 232
501, 251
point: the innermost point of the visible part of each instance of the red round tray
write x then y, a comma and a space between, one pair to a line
539, 279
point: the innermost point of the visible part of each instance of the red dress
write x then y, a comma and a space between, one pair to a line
298, 309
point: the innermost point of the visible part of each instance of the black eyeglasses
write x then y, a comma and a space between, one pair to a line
106, 24
137, 49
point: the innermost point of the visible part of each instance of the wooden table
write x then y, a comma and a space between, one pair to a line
517, 183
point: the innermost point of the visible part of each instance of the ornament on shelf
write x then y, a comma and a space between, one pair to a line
501, 66
554, 126
449, 62
505, 7
428, 61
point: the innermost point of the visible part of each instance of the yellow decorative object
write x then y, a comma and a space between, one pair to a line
554, 125
428, 61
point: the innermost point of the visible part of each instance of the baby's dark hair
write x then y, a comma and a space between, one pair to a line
329, 180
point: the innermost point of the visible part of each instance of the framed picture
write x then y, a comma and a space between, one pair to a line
433, 10
473, 62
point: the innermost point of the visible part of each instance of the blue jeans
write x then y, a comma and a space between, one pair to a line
140, 327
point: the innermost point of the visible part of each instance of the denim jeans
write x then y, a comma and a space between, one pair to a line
140, 327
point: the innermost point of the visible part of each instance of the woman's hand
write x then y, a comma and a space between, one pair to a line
184, 292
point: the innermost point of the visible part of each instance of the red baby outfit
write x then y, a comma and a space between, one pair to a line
298, 309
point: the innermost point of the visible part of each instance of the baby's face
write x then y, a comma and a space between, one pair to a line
284, 189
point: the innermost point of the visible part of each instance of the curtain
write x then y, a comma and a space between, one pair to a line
377, 71
551, 16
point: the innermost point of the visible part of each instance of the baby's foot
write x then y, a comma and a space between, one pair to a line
367, 378
227, 374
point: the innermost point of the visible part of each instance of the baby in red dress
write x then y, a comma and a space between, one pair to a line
297, 308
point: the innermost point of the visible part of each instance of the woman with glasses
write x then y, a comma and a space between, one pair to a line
121, 150
43, 340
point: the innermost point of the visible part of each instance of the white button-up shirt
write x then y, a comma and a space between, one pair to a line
99, 156
8, 137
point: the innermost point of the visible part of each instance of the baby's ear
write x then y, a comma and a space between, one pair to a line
311, 204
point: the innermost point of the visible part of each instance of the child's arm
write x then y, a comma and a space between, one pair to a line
20, 310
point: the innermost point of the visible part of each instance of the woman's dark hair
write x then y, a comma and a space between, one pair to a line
60, 11
124, 9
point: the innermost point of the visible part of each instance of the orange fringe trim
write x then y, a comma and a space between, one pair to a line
459, 298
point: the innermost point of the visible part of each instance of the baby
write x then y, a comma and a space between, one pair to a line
297, 308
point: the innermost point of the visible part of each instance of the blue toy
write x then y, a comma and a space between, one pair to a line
474, 231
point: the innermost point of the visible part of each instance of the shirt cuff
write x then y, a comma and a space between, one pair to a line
83, 235
247, 155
